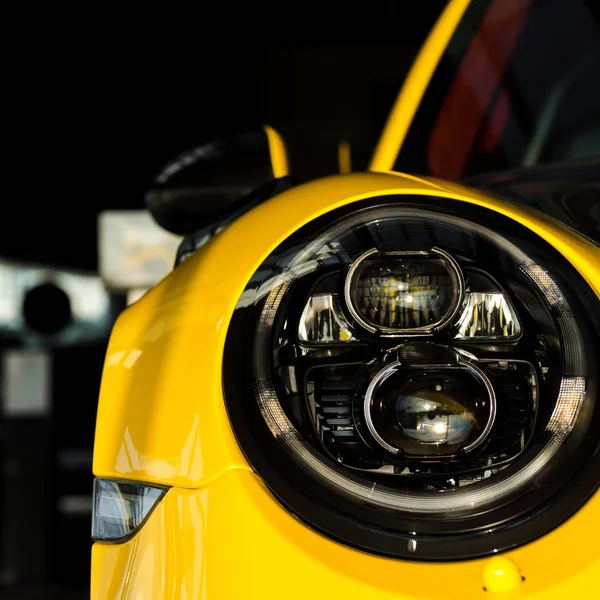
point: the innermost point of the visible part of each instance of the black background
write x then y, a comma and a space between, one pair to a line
99, 100
96, 99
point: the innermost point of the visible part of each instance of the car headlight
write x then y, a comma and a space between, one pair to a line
416, 382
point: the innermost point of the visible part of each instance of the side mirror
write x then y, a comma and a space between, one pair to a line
215, 181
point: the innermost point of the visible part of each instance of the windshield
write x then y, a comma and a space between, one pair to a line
518, 85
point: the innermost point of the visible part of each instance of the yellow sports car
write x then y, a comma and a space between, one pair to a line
375, 385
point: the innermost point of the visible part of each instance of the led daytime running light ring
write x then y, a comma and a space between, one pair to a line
569, 404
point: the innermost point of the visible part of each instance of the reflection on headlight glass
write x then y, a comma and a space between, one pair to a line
322, 321
488, 315
430, 413
402, 293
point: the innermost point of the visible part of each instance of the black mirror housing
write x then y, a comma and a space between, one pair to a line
211, 182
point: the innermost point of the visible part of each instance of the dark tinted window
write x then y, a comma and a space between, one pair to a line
518, 85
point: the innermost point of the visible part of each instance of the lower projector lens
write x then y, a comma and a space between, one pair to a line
432, 413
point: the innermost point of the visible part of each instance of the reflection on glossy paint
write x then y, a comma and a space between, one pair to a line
112, 360
191, 451
130, 462
132, 357
199, 519
155, 331
128, 459
163, 468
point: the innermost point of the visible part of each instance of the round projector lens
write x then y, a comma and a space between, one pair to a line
432, 413
402, 291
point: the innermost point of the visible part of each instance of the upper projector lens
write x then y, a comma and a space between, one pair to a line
403, 292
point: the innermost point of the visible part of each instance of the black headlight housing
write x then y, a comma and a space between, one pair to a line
417, 378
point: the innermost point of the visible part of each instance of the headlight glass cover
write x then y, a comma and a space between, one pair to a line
417, 376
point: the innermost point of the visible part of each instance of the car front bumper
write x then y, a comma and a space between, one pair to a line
231, 539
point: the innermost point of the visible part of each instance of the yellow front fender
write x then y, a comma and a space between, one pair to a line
162, 419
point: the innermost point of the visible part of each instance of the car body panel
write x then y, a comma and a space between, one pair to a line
277, 152
231, 539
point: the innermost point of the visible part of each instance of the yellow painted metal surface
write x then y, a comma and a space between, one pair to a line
501, 574
414, 87
231, 540
345, 157
162, 419
278, 152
